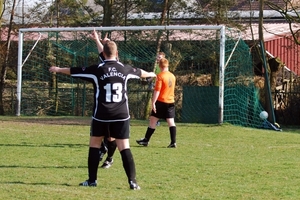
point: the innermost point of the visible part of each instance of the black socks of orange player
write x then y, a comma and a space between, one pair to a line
128, 164
93, 163
149, 133
111, 148
173, 134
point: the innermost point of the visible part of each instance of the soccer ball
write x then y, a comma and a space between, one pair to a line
263, 115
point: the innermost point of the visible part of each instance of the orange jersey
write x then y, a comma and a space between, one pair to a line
165, 84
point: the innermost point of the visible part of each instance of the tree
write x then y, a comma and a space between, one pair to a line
215, 12
115, 13
107, 17
61, 13
290, 12
158, 46
1, 11
5, 49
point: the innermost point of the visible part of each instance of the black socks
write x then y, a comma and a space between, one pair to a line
129, 165
93, 163
111, 148
173, 134
149, 133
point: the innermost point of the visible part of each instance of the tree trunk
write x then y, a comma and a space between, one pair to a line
1, 11
5, 60
107, 18
158, 45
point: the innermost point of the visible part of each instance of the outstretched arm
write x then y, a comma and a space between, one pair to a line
64, 70
147, 74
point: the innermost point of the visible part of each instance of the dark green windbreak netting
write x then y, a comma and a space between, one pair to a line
194, 57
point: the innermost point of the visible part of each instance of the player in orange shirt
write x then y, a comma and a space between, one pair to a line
163, 106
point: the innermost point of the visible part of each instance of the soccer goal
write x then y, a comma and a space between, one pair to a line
212, 65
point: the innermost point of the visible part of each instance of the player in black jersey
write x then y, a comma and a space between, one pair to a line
111, 113
108, 145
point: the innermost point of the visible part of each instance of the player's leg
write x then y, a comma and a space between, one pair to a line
121, 133
172, 129
111, 148
152, 124
103, 149
149, 132
171, 123
128, 162
96, 137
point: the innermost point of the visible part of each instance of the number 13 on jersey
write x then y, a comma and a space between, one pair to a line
115, 96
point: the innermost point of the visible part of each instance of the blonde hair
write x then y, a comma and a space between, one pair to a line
110, 49
163, 63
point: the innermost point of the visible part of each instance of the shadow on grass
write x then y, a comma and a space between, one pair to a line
42, 167
45, 145
24, 183
145, 147
51, 120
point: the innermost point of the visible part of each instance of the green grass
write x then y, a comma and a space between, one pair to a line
46, 158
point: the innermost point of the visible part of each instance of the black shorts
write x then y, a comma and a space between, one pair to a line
164, 110
118, 130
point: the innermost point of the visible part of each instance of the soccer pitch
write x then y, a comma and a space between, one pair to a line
46, 158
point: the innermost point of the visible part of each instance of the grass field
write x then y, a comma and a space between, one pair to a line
46, 158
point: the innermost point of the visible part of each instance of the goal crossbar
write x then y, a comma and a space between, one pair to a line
124, 28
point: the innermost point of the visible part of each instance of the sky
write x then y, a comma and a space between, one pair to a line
19, 8
30, 3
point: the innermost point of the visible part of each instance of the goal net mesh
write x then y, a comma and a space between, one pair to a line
194, 57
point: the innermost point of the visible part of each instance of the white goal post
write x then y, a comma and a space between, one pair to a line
219, 29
